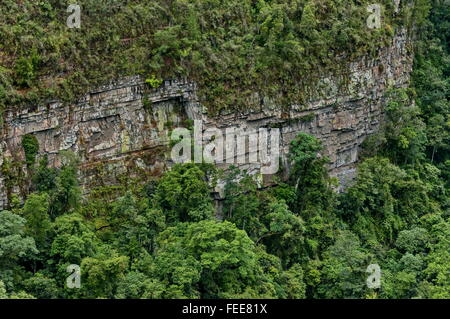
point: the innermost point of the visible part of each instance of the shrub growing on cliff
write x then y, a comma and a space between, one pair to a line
25, 73
184, 195
154, 82
30, 146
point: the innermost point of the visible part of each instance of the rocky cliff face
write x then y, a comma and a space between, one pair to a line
122, 130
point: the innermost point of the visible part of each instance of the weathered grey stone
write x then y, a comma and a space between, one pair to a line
111, 128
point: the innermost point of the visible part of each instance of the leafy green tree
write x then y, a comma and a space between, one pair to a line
384, 200
404, 130
209, 259
135, 225
13, 239
285, 236
38, 224
265, 219
3, 294
244, 204
44, 177
42, 287
102, 273
18, 295
437, 280
343, 274
402, 137
66, 195
431, 81
74, 239
401, 279
136, 285
293, 282
183, 195
14, 245
413, 241
314, 195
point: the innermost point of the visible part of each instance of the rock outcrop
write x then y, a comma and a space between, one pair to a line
123, 129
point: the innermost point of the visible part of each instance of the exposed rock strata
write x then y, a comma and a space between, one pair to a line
115, 132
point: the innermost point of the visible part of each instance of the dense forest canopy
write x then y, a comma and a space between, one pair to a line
232, 48
299, 239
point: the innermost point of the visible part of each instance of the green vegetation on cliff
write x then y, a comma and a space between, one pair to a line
299, 239
232, 49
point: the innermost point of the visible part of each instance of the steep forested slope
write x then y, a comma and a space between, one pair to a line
297, 240
231, 48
